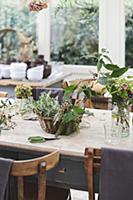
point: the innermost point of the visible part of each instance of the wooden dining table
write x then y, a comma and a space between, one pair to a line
70, 172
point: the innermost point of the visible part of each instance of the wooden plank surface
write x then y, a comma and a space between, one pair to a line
44, 83
91, 135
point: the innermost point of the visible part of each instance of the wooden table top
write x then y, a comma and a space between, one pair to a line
91, 135
44, 83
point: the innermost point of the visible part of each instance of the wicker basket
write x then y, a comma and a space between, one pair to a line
58, 129
47, 124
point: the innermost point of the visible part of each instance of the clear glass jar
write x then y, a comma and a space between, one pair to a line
121, 119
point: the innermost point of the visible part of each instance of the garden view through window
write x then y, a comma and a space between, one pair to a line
74, 32
129, 32
17, 25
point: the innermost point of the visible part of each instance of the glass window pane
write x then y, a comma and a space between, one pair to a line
17, 28
129, 32
74, 32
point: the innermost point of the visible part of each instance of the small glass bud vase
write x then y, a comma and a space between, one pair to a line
121, 119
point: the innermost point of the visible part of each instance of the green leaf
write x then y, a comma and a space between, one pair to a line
78, 110
88, 91
107, 58
113, 89
69, 90
111, 67
103, 80
100, 63
119, 72
93, 93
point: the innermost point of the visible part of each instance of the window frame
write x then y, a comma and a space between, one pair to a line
111, 30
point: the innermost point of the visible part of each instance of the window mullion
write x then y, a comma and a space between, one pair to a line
112, 29
43, 33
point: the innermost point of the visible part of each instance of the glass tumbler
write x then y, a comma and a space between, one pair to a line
112, 134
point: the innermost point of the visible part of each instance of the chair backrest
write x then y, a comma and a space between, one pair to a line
31, 167
3, 94
92, 165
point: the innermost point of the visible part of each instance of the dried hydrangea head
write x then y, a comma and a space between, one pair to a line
37, 5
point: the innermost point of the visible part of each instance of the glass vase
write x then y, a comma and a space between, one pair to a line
121, 120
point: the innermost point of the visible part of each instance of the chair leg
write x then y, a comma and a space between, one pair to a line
20, 188
42, 181
89, 172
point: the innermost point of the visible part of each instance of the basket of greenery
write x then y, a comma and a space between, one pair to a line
68, 118
57, 119
46, 108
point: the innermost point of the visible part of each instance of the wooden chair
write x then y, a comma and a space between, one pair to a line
92, 165
3, 94
39, 166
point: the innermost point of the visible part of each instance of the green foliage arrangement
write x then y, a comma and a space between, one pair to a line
68, 118
110, 75
119, 87
58, 119
46, 106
